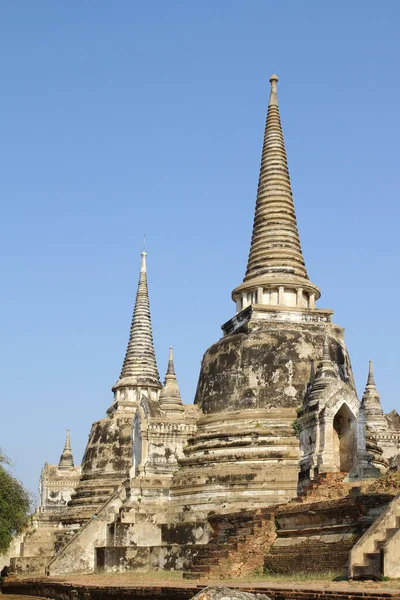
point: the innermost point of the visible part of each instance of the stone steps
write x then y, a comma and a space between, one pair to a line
33, 548
373, 559
189, 575
367, 558
44, 536
36, 548
320, 535
92, 491
364, 572
235, 536
30, 564
201, 569
210, 560
89, 500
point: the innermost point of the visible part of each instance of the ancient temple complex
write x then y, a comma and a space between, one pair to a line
276, 409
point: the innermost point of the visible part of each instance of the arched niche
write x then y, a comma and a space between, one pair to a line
345, 439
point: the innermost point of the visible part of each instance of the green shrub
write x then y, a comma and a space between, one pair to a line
14, 506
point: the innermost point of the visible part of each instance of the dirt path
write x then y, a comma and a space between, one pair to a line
12, 597
175, 580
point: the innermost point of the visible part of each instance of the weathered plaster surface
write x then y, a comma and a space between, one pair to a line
78, 555
266, 367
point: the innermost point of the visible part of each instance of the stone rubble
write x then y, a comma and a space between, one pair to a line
224, 593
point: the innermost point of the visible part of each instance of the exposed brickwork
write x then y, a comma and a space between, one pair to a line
311, 556
327, 486
238, 546
362, 503
287, 538
320, 539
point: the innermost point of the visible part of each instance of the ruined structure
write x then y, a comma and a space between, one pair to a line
258, 389
382, 430
124, 496
58, 482
275, 408
332, 427
32, 550
107, 460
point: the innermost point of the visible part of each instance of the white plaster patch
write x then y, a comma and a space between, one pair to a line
290, 391
304, 349
289, 366
275, 376
253, 379
113, 426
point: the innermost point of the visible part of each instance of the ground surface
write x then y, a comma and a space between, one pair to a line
166, 579
12, 597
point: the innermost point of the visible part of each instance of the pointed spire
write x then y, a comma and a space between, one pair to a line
326, 357
326, 369
275, 257
140, 367
273, 98
371, 403
312, 372
275, 244
143, 263
171, 368
310, 382
170, 397
68, 441
371, 380
325, 375
66, 459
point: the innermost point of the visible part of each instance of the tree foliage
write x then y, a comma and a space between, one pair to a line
14, 506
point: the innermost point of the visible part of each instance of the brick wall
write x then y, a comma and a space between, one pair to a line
290, 538
63, 591
318, 537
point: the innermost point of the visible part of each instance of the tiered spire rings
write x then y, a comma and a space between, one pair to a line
276, 272
140, 367
170, 397
66, 462
372, 404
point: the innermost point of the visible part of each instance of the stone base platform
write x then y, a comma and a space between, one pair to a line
119, 559
98, 590
237, 460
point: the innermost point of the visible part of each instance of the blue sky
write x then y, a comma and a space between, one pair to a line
124, 118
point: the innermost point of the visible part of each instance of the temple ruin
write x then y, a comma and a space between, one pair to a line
275, 410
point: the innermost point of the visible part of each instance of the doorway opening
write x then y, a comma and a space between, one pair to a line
344, 439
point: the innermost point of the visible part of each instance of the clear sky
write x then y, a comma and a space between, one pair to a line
124, 118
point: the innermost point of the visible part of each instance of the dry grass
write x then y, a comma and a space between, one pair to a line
108, 579
295, 577
332, 580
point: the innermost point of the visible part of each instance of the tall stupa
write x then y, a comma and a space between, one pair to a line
252, 380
